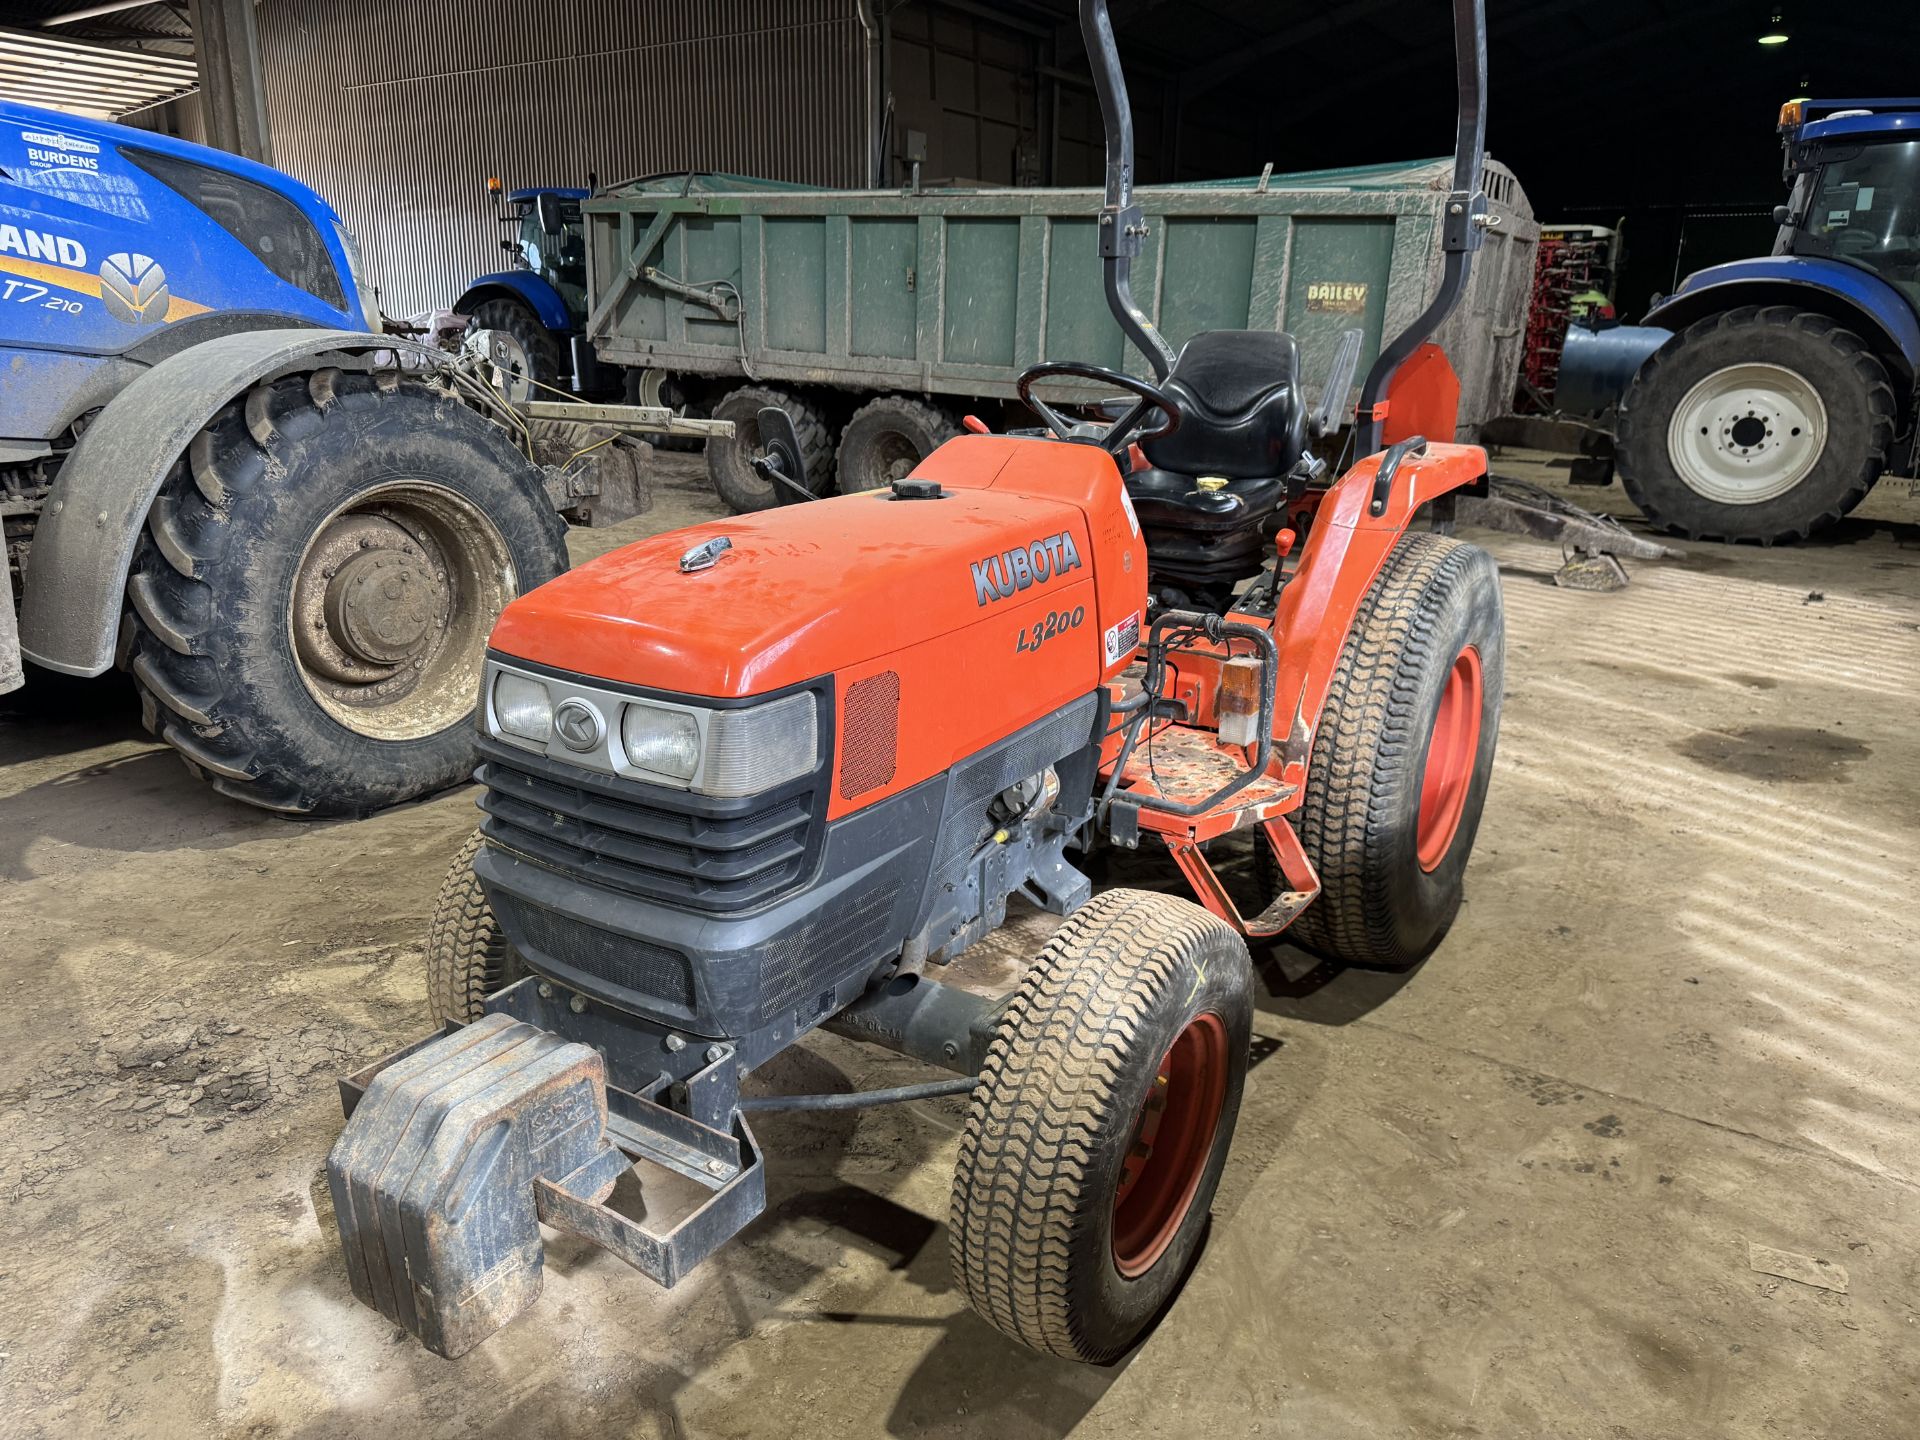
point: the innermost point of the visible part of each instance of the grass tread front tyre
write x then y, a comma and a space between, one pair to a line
468, 955
1034, 1223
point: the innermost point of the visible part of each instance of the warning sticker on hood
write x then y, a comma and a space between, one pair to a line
1122, 639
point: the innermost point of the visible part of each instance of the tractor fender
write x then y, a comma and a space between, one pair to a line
541, 298
1855, 298
1347, 546
84, 543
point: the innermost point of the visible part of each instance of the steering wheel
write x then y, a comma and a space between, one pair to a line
1117, 437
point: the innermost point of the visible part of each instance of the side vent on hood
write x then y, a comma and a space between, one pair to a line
870, 732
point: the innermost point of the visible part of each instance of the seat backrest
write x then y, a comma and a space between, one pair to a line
1242, 413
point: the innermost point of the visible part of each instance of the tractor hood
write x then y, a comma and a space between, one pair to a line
802, 591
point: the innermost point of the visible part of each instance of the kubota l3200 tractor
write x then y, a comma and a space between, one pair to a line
772, 773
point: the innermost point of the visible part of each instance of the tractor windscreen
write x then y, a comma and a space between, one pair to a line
1864, 210
553, 253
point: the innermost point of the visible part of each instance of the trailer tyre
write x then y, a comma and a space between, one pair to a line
468, 955
537, 343
729, 461
1763, 423
310, 607
886, 438
1098, 1131
1400, 762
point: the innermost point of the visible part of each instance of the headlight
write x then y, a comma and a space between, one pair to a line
357, 272
667, 742
760, 746
522, 707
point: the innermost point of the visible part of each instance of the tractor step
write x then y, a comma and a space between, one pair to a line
459, 1147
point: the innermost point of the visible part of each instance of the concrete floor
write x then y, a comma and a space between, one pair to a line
1511, 1194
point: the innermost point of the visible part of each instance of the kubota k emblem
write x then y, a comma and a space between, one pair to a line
579, 725
998, 576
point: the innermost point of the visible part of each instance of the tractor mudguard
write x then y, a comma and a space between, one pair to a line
540, 297
70, 614
1857, 299
1352, 534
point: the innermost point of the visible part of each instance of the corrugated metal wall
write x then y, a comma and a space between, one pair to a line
398, 113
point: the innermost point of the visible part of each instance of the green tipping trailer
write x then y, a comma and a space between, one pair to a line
876, 316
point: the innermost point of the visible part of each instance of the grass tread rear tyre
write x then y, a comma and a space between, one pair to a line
1358, 817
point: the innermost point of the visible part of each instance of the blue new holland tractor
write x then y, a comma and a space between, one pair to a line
1775, 391
295, 532
538, 305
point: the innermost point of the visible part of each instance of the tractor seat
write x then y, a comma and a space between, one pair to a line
1242, 415
1166, 498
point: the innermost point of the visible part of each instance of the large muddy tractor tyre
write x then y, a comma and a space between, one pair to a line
1764, 423
1398, 772
887, 438
468, 955
1101, 1123
537, 344
729, 462
309, 610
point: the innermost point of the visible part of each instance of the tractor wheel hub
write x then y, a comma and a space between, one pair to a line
382, 605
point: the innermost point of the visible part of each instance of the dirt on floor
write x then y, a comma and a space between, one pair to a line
1531, 1189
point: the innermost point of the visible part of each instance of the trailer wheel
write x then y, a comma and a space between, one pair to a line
1101, 1123
728, 461
1400, 762
311, 604
886, 438
1759, 424
468, 955
539, 357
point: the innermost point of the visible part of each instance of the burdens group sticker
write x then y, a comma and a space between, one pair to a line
1122, 638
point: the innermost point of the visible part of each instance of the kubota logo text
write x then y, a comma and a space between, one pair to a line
998, 576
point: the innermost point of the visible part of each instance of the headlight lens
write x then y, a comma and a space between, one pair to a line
522, 707
357, 272
760, 746
667, 742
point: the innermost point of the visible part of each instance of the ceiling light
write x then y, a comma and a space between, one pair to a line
1775, 32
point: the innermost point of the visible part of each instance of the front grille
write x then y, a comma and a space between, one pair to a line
646, 969
648, 840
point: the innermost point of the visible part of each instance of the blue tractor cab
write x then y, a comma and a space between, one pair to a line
1775, 391
538, 305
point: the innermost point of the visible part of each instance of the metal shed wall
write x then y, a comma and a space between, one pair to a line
398, 113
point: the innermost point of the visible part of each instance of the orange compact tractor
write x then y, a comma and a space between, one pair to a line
772, 773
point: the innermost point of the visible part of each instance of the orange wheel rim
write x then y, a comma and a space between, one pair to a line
1168, 1149
1452, 751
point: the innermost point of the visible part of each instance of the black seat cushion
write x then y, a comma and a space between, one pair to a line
1164, 499
1241, 411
